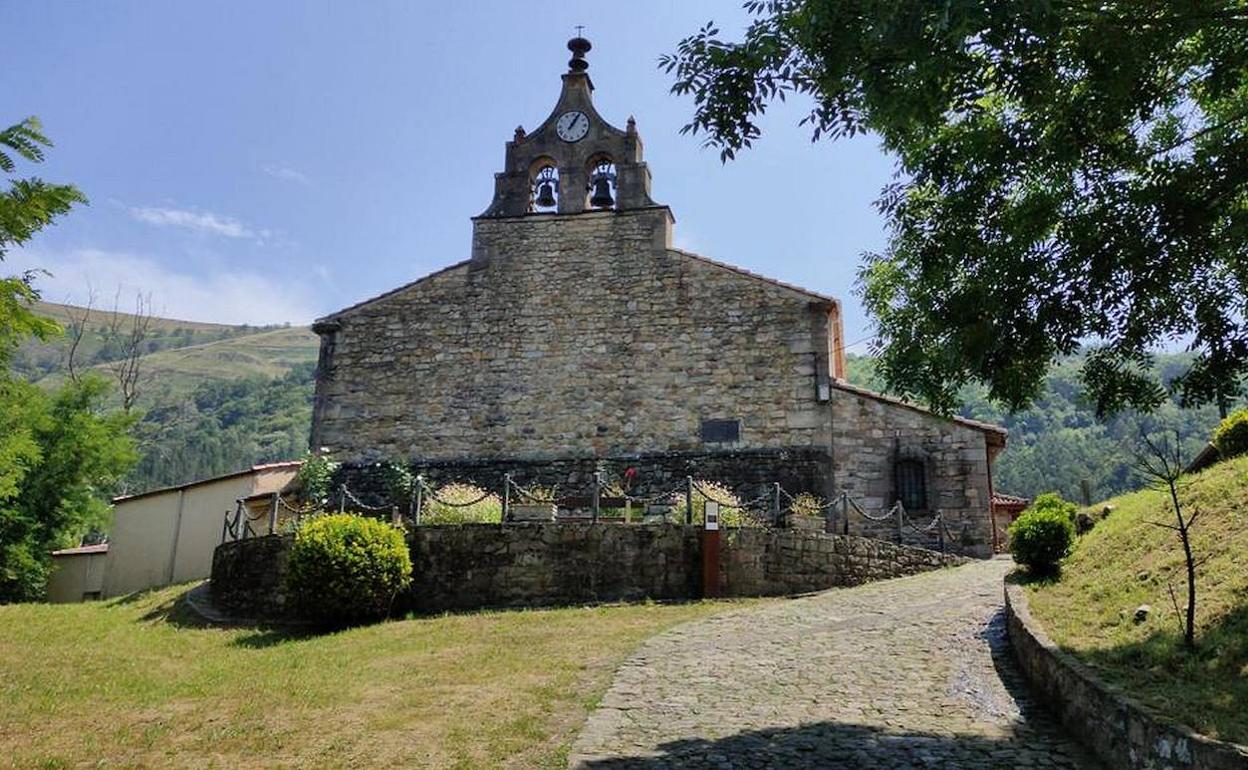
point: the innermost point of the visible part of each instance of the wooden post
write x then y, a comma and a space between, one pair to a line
710, 550
775, 506
506, 496
273, 512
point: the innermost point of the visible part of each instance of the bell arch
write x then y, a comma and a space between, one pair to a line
603, 179
544, 187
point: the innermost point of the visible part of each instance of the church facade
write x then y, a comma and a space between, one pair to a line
576, 338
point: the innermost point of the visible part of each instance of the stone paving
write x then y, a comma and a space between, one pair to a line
906, 673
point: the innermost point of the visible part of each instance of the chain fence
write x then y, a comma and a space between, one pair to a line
682, 503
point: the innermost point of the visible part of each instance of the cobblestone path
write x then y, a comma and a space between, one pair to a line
907, 673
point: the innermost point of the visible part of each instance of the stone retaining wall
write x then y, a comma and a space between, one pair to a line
535, 564
1125, 734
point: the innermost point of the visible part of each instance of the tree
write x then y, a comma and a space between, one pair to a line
1160, 461
70, 453
1066, 172
126, 335
60, 453
25, 208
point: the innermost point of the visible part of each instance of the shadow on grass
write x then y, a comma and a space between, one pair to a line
1205, 689
1022, 576
834, 745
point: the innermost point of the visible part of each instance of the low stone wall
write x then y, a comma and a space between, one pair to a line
249, 576
536, 564
523, 564
1125, 734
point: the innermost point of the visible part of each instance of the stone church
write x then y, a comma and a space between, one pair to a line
575, 338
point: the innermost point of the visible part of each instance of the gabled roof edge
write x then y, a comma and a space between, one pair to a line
986, 427
757, 277
390, 293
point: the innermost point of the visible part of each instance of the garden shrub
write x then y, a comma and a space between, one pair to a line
1041, 538
806, 504
1230, 438
346, 569
315, 477
487, 509
730, 512
1052, 501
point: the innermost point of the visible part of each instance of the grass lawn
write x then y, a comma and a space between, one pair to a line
1125, 562
136, 683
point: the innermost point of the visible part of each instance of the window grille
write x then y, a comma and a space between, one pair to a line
912, 484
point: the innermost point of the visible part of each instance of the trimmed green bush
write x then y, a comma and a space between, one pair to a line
1052, 501
1231, 436
346, 569
1041, 538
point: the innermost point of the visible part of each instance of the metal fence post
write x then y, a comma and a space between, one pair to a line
506, 496
597, 494
845, 511
688, 499
900, 535
418, 494
940, 529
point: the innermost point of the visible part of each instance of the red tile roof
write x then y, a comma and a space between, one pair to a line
1002, 500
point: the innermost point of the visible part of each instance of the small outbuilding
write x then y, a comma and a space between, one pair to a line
161, 537
77, 574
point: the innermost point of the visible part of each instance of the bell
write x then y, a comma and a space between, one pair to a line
546, 195
602, 192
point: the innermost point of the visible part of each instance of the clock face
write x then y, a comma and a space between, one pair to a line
572, 126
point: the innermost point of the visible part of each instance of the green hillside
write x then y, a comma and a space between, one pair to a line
1127, 561
213, 398
39, 358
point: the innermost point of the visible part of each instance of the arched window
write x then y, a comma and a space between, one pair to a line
602, 183
912, 484
544, 191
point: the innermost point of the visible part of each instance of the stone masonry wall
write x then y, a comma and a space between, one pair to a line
748, 472
871, 433
486, 565
579, 335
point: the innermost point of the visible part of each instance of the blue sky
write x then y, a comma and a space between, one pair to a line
270, 162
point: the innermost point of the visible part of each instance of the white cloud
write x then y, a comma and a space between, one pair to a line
198, 221
285, 173
223, 296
